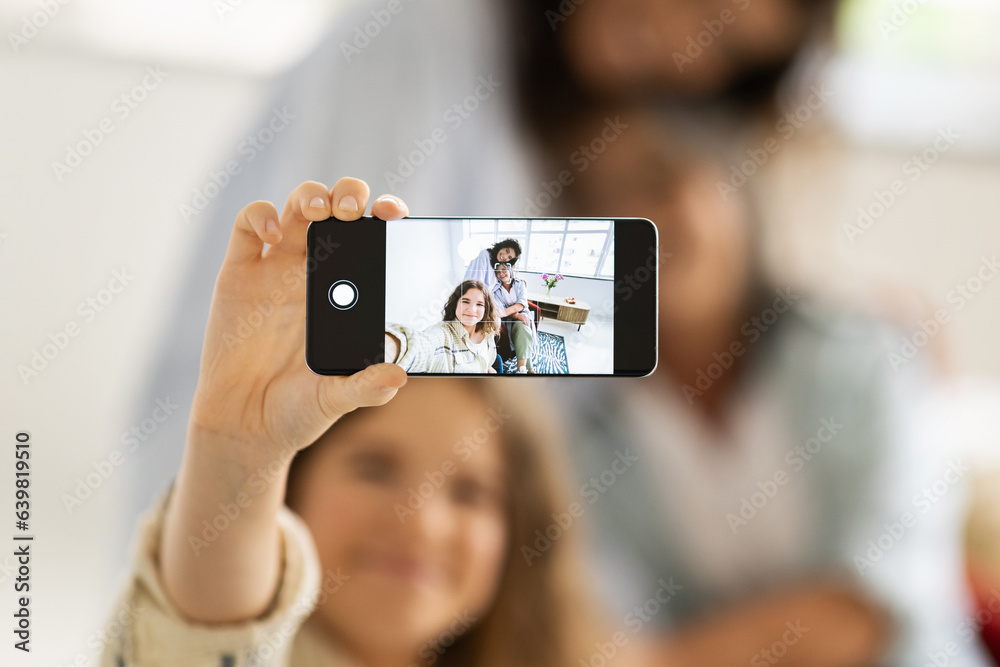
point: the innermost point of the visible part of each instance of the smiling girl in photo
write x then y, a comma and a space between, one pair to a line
463, 342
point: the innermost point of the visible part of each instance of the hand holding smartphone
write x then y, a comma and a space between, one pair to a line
253, 387
470, 296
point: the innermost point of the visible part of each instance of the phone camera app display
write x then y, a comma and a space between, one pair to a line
500, 296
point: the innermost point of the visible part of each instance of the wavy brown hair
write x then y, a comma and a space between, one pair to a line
543, 613
490, 324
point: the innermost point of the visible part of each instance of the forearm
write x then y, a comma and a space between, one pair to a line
834, 633
221, 549
510, 310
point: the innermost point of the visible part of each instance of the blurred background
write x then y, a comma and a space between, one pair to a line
163, 93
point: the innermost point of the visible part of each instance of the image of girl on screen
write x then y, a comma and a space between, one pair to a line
511, 296
463, 342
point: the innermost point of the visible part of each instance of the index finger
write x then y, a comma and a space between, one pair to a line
389, 207
311, 202
256, 223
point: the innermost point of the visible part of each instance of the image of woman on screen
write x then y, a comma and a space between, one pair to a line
463, 342
481, 267
511, 297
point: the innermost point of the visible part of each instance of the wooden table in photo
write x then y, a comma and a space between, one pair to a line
556, 308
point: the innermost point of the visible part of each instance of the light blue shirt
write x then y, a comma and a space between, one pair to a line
517, 294
480, 268
825, 364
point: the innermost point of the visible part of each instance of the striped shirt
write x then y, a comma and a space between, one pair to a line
441, 348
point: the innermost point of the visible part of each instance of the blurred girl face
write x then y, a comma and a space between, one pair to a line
412, 512
471, 307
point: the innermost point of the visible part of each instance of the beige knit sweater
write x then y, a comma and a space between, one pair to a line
155, 634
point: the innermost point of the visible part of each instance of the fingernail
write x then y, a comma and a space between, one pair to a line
271, 227
348, 203
317, 202
390, 198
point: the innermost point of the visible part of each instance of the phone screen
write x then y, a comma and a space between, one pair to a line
484, 296
472, 295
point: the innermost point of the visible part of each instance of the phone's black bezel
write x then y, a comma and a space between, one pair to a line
362, 327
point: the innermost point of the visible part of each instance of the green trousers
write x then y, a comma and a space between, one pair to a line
524, 342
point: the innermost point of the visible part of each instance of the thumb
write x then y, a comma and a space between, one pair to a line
375, 385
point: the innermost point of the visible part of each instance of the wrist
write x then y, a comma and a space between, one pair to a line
232, 460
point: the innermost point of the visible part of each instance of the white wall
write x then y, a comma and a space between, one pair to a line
422, 269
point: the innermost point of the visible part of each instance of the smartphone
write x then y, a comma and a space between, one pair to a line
483, 296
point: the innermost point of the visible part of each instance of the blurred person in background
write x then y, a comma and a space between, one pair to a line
789, 477
442, 108
789, 473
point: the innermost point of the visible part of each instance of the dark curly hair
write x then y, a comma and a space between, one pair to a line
550, 93
500, 245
